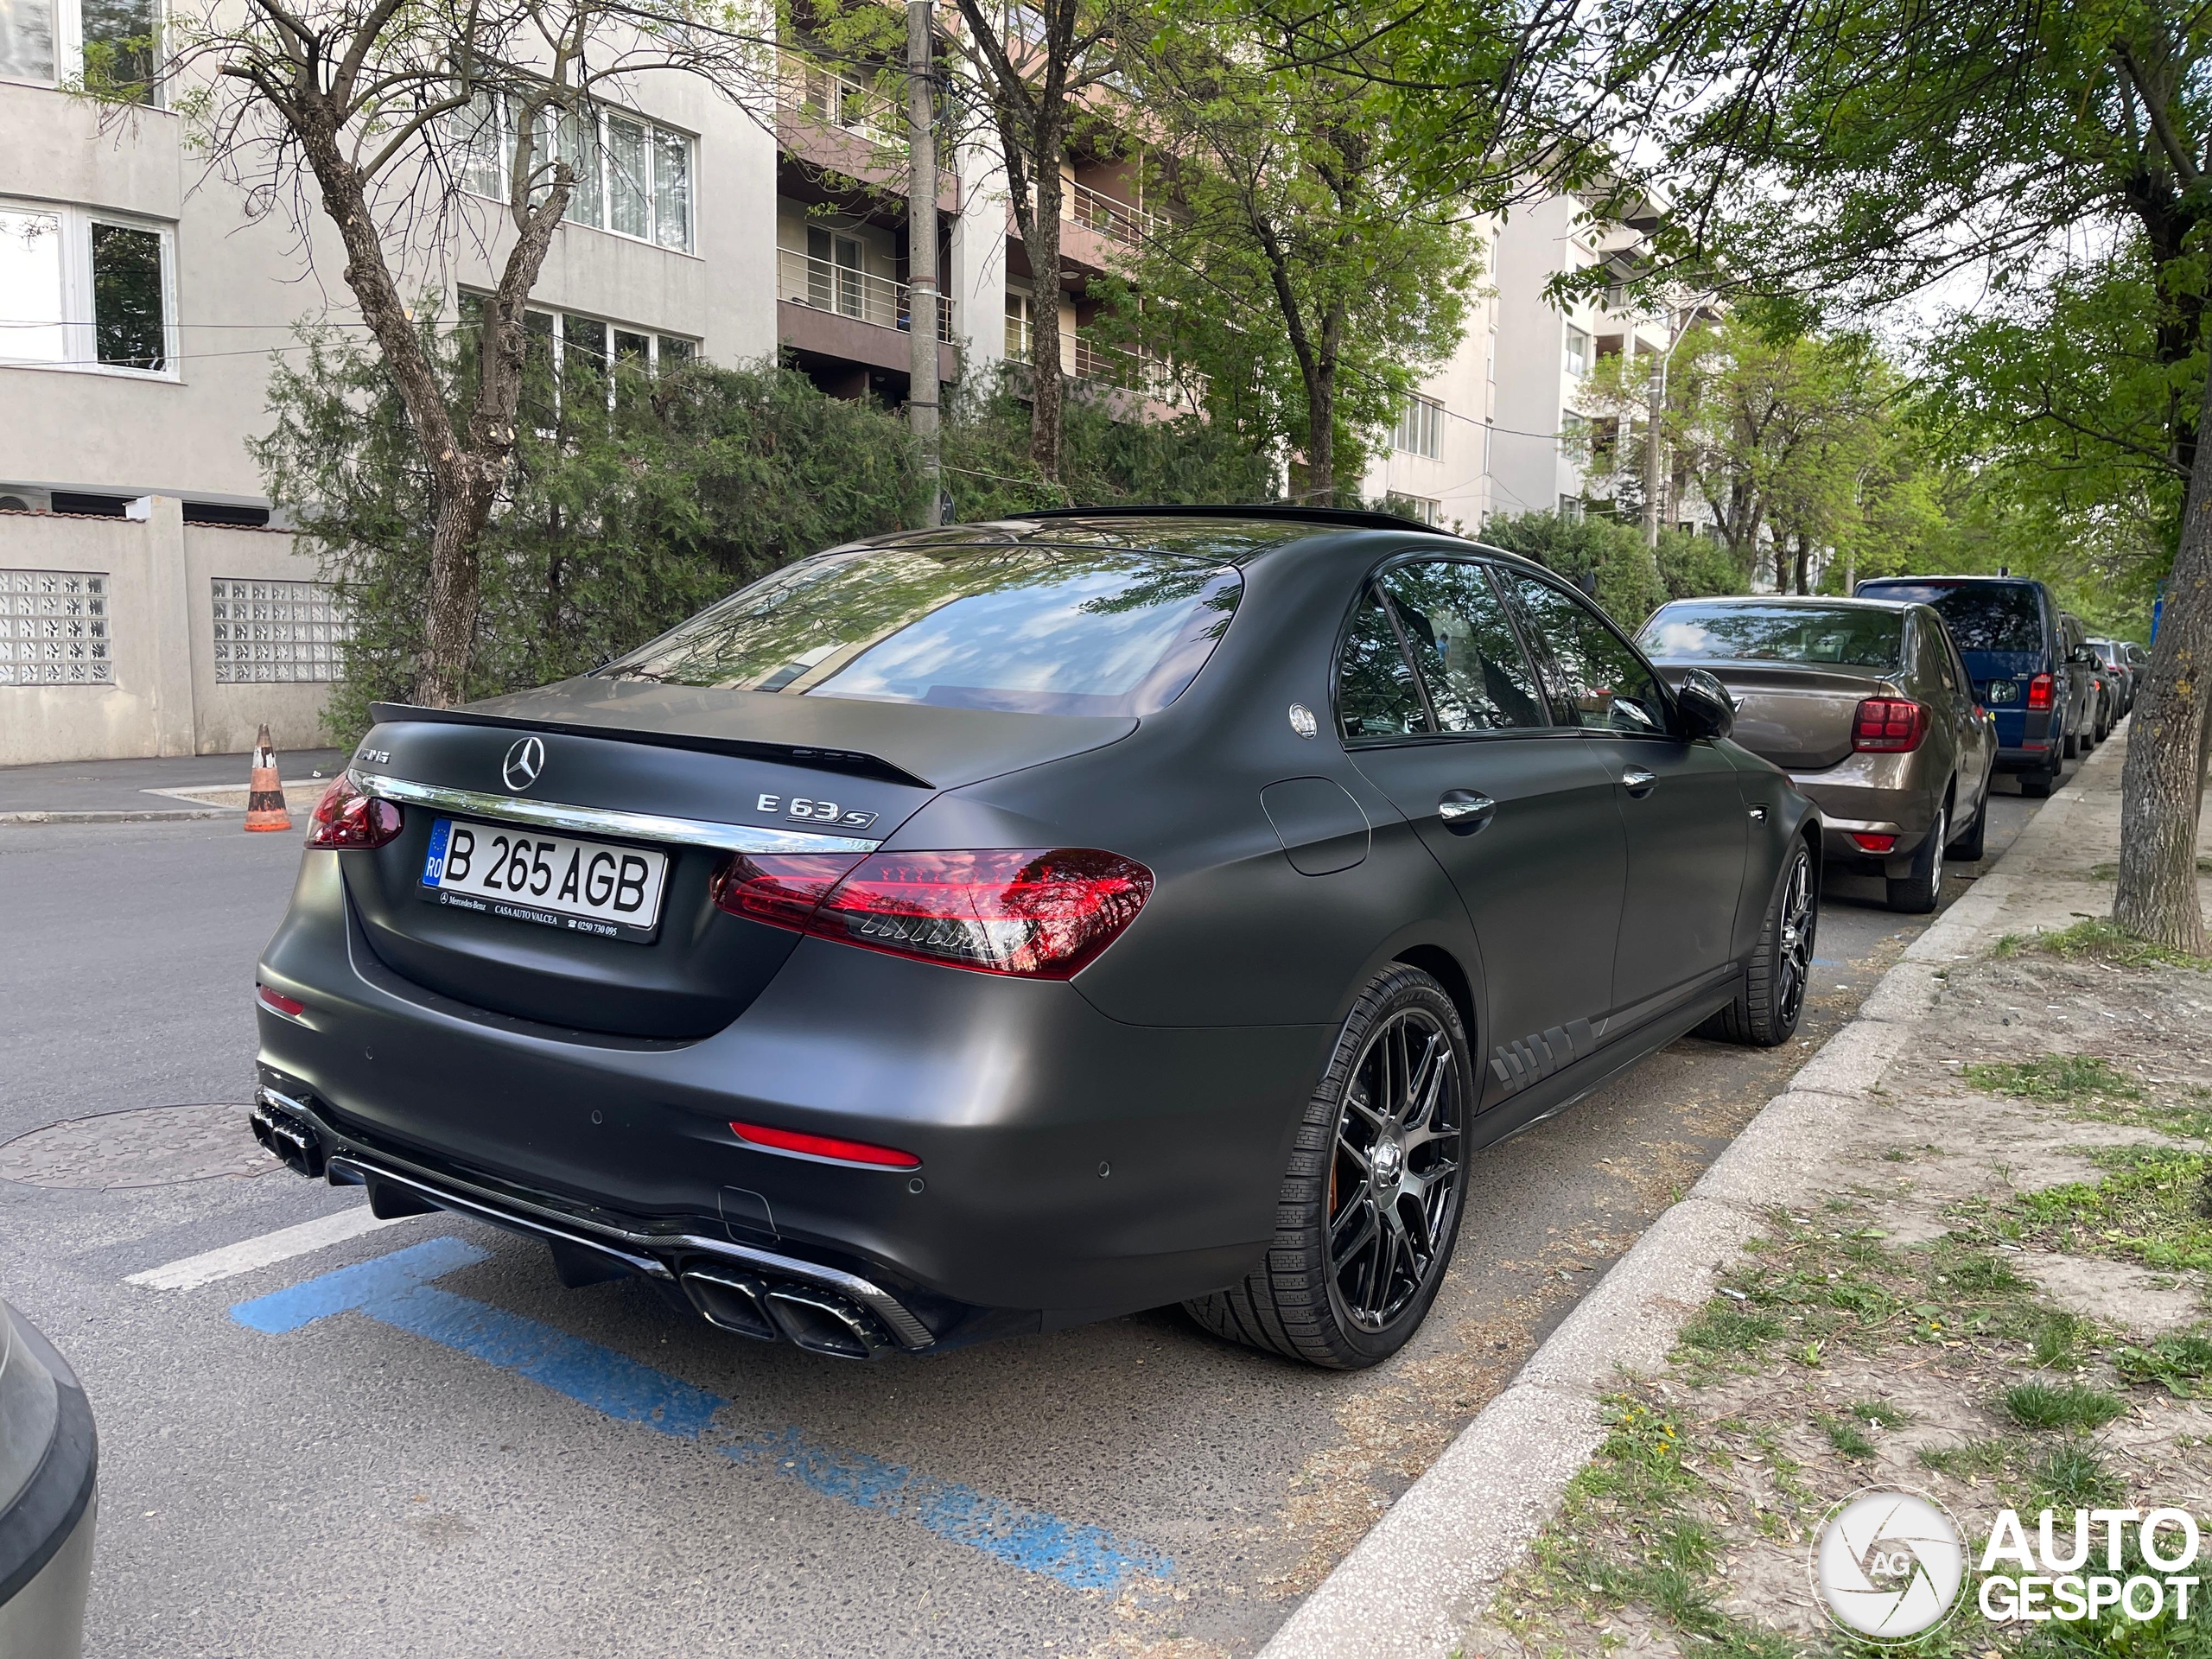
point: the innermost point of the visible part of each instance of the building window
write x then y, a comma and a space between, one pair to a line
1578, 351
1570, 508
277, 630
47, 41
1420, 429
54, 628
1419, 508
575, 347
85, 291
632, 176
1020, 325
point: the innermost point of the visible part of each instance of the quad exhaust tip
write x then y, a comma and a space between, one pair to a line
287, 1137
816, 1320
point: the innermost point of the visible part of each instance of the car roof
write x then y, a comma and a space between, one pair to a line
1893, 581
1227, 535
1804, 601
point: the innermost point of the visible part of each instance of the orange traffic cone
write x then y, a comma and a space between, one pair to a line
265, 801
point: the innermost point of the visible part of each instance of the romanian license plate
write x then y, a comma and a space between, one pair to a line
581, 886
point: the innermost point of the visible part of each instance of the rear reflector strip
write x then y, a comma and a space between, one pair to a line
829, 1146
1874, 843
277, 1002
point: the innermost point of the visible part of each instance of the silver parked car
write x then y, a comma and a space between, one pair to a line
49, 1476
1866, 703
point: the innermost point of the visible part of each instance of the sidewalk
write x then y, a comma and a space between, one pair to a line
1965, 1254
190, 786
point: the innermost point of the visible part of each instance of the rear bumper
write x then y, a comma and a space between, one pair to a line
1877, 795
1071, 1167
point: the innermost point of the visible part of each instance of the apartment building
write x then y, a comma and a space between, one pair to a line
1502, 427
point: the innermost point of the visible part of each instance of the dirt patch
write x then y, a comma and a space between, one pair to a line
2130, 1298
1999, 1302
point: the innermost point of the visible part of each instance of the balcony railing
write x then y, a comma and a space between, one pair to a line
1116, 220
848, 291
1155, 377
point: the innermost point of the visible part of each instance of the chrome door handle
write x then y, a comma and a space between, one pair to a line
1638, 782
1466, 811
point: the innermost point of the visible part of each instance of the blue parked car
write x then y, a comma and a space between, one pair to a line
2033, 671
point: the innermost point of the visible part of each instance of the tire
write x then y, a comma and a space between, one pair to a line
2069, 748
1315, 1299
1766, 1011
2038, 785
1923, 890
1969, 847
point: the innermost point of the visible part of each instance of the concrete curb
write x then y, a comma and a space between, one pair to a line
149, 815
1427, 1569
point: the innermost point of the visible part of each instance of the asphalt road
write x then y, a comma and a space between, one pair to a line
445, 1453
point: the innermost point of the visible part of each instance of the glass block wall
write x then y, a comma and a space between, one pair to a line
273, 631
54, 628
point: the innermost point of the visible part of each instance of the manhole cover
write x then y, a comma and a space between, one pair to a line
157, 1147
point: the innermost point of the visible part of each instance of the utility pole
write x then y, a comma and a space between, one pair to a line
921, 250
1656, 397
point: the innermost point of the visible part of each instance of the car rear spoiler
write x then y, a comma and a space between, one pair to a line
850, 762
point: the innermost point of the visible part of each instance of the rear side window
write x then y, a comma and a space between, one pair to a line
1775, 633
1034, 629
1457, 630
1375, 694
1981, 616
1595, 679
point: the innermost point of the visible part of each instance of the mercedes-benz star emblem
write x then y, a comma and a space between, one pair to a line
525, 762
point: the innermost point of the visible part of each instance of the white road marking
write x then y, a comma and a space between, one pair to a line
247, 1255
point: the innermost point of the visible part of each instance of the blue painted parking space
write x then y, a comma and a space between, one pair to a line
399, 1290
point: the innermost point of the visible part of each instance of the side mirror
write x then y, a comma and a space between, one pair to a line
1706, 709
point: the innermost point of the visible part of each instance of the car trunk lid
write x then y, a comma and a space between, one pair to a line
1799, 715
694, 775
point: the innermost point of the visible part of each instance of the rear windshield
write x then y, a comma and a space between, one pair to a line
1981, 616
1775, 633
1030, 629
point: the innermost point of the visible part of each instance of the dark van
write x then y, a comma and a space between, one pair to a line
2008, 628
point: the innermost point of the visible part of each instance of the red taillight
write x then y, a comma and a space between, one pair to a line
783, 889
291, 1007
1874, 843
1888, 725
824, 1146
2039, 691
1027, 911
349, 821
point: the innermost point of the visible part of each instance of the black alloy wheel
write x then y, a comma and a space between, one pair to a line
1393, 1180
1371, 1203
1766, 1010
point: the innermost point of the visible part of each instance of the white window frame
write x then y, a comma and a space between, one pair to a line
68, 22
1420, 430
1577, 363
503, 120
79, 326
655, 340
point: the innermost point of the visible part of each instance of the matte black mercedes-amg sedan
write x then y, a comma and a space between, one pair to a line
985, 930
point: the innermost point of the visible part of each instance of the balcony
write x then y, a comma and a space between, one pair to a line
828, 310
1115, 221
803, 279
843, 129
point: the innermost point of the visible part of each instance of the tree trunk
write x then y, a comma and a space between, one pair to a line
1042, 237
2162, 788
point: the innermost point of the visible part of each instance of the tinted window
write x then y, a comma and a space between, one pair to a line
1456, 627
1376, 695
1775, 633
1981, 616
1595, 680
1032, 629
